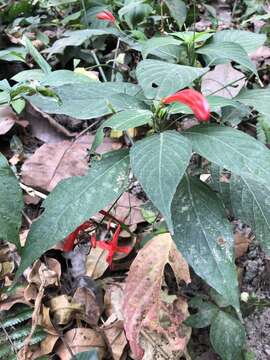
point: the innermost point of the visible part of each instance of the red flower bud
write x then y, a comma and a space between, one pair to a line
193, 99
106, 16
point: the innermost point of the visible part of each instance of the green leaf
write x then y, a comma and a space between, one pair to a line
204, 236
134, 12
228, 51
75, 200
62, 77
178, 11
227, 336
42, 63
206, 312
87, 355
14, 53
27, 75
91, 100
159, 162
232, 149
257, 98
123, 120
11, 203
248, 40
159, 46
159, 78
250, 202
263, 129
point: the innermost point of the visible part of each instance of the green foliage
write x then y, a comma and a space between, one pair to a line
75, 200
87, 355
204, 236
159, 162
11, 203
16, 325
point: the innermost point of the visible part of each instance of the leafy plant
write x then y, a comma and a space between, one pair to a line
158, 96
14, 330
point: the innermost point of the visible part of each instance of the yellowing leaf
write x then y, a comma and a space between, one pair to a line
150, 311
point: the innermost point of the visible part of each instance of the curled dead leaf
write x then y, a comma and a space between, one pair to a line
64, 309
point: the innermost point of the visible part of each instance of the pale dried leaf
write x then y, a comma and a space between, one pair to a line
96, 263
52, 163
242, 240
80, 340
64, 309
113, 300
144, 306
91, 309
115, 335
221, 76
7, 119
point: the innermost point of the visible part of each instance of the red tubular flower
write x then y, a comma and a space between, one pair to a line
113, 247
70, 239
193, 99
106, 16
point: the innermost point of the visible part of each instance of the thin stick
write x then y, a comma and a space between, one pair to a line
114, 60
8, 338
98, 64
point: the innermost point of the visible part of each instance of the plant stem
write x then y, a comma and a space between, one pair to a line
114, 60
98, 64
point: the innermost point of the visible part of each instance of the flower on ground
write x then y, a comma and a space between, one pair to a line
106, 16
194, 100
112, 246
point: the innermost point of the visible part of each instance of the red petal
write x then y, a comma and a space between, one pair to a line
106, 15
193, 99
69, 241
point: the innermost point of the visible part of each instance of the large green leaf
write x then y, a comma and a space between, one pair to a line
159, 163
250, 202
160, 46
178, 11
204, 236
249, 41
233, 150
75, 200
257, 98
227, 336
42, 63
159, 78
123, 120
228, 51
11, 203
91, 100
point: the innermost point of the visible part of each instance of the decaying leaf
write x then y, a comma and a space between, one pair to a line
221, 76
115, 336
114, 327
79, 340
148, 310
87, 299
52, 163
242, 240
7, 119
64, 309
96, 263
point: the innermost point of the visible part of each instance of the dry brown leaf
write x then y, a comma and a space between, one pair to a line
96, 263
146, 307
113, 300
91, 310
222, 75
46, 346
7, 119
128, 209
80, 340
7, 301
242, 240
45, 321
44, 127
52, 163
64, 309
115, 336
